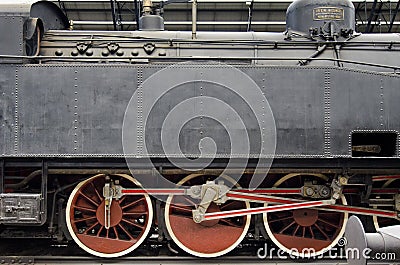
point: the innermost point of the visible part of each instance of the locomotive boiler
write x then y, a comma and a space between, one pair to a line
205, 143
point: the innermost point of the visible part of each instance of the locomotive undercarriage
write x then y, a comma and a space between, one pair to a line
100, 206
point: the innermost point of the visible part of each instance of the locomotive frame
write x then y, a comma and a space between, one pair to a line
67, 133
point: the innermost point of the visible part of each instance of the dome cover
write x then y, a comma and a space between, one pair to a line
313, 16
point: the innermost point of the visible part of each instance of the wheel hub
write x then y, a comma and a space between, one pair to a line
305, 217
116, 213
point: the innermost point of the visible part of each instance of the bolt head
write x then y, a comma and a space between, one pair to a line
309, 191
343, 180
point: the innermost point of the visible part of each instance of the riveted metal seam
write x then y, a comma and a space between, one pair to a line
140, 122
327, 114
163, 65
381, 104
75, 116
16, 114
21, 34
220, 156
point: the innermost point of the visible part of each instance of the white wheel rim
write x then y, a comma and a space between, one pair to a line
196, 253
308, 254
94, 252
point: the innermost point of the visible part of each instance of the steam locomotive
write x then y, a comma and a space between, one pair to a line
200, 142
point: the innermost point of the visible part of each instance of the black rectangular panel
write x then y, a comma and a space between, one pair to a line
356, 104
11, 42
7, 109
73, 110
296, 97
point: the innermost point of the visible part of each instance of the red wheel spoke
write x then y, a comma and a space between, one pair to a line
322, 231
311, 232
84, 208
116, 232
328, 223
101, 229
96, 191
280, 219
286, 227
183, 215
125, 231
91, 227
132, 203
295, 231
88, 199
120, 201
184, 209
304, 231
84, 219
132, 223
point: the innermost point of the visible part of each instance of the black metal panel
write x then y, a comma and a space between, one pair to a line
79, 110
103, 95
391, 107
357, 103
207, 83
7, 108
11, 32
296, 97
45, 110
73, 110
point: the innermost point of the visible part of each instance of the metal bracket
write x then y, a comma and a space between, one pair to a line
149, 48
309, 190
82, 47
113, 47
210, 192
110, 191
337, 186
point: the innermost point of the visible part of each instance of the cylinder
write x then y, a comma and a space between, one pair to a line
383, 245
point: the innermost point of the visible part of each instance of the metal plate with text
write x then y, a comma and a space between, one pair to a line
328, 13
